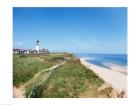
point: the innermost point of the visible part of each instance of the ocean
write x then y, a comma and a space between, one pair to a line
106, 60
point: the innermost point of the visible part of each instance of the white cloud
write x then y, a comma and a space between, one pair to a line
18, 43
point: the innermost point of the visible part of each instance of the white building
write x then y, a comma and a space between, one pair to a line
37, 46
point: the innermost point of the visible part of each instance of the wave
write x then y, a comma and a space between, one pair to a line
107, 60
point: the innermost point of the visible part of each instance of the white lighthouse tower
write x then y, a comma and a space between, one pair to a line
37, 46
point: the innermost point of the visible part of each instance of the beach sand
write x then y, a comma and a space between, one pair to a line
115, 76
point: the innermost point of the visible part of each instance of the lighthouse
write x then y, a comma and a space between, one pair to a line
37, 46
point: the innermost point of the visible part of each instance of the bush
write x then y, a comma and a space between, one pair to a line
36, 91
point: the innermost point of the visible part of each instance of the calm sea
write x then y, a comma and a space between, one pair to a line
105, 60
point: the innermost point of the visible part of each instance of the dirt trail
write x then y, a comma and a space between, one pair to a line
19, 92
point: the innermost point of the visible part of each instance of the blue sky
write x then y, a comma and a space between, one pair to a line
77, 30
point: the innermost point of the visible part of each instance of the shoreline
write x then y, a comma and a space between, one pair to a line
114, 76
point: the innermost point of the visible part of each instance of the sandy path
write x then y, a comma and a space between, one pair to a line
112, 76
19, 92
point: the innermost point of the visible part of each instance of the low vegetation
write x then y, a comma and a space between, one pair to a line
69, 79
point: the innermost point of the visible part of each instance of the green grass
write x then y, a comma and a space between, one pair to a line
72, 80
26, 66
24, 69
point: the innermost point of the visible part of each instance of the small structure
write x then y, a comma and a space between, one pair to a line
29, 51
16, 50
44, 51
22, 51
19, 51
32, 51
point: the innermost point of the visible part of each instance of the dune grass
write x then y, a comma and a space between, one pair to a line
26, 66
72, 80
